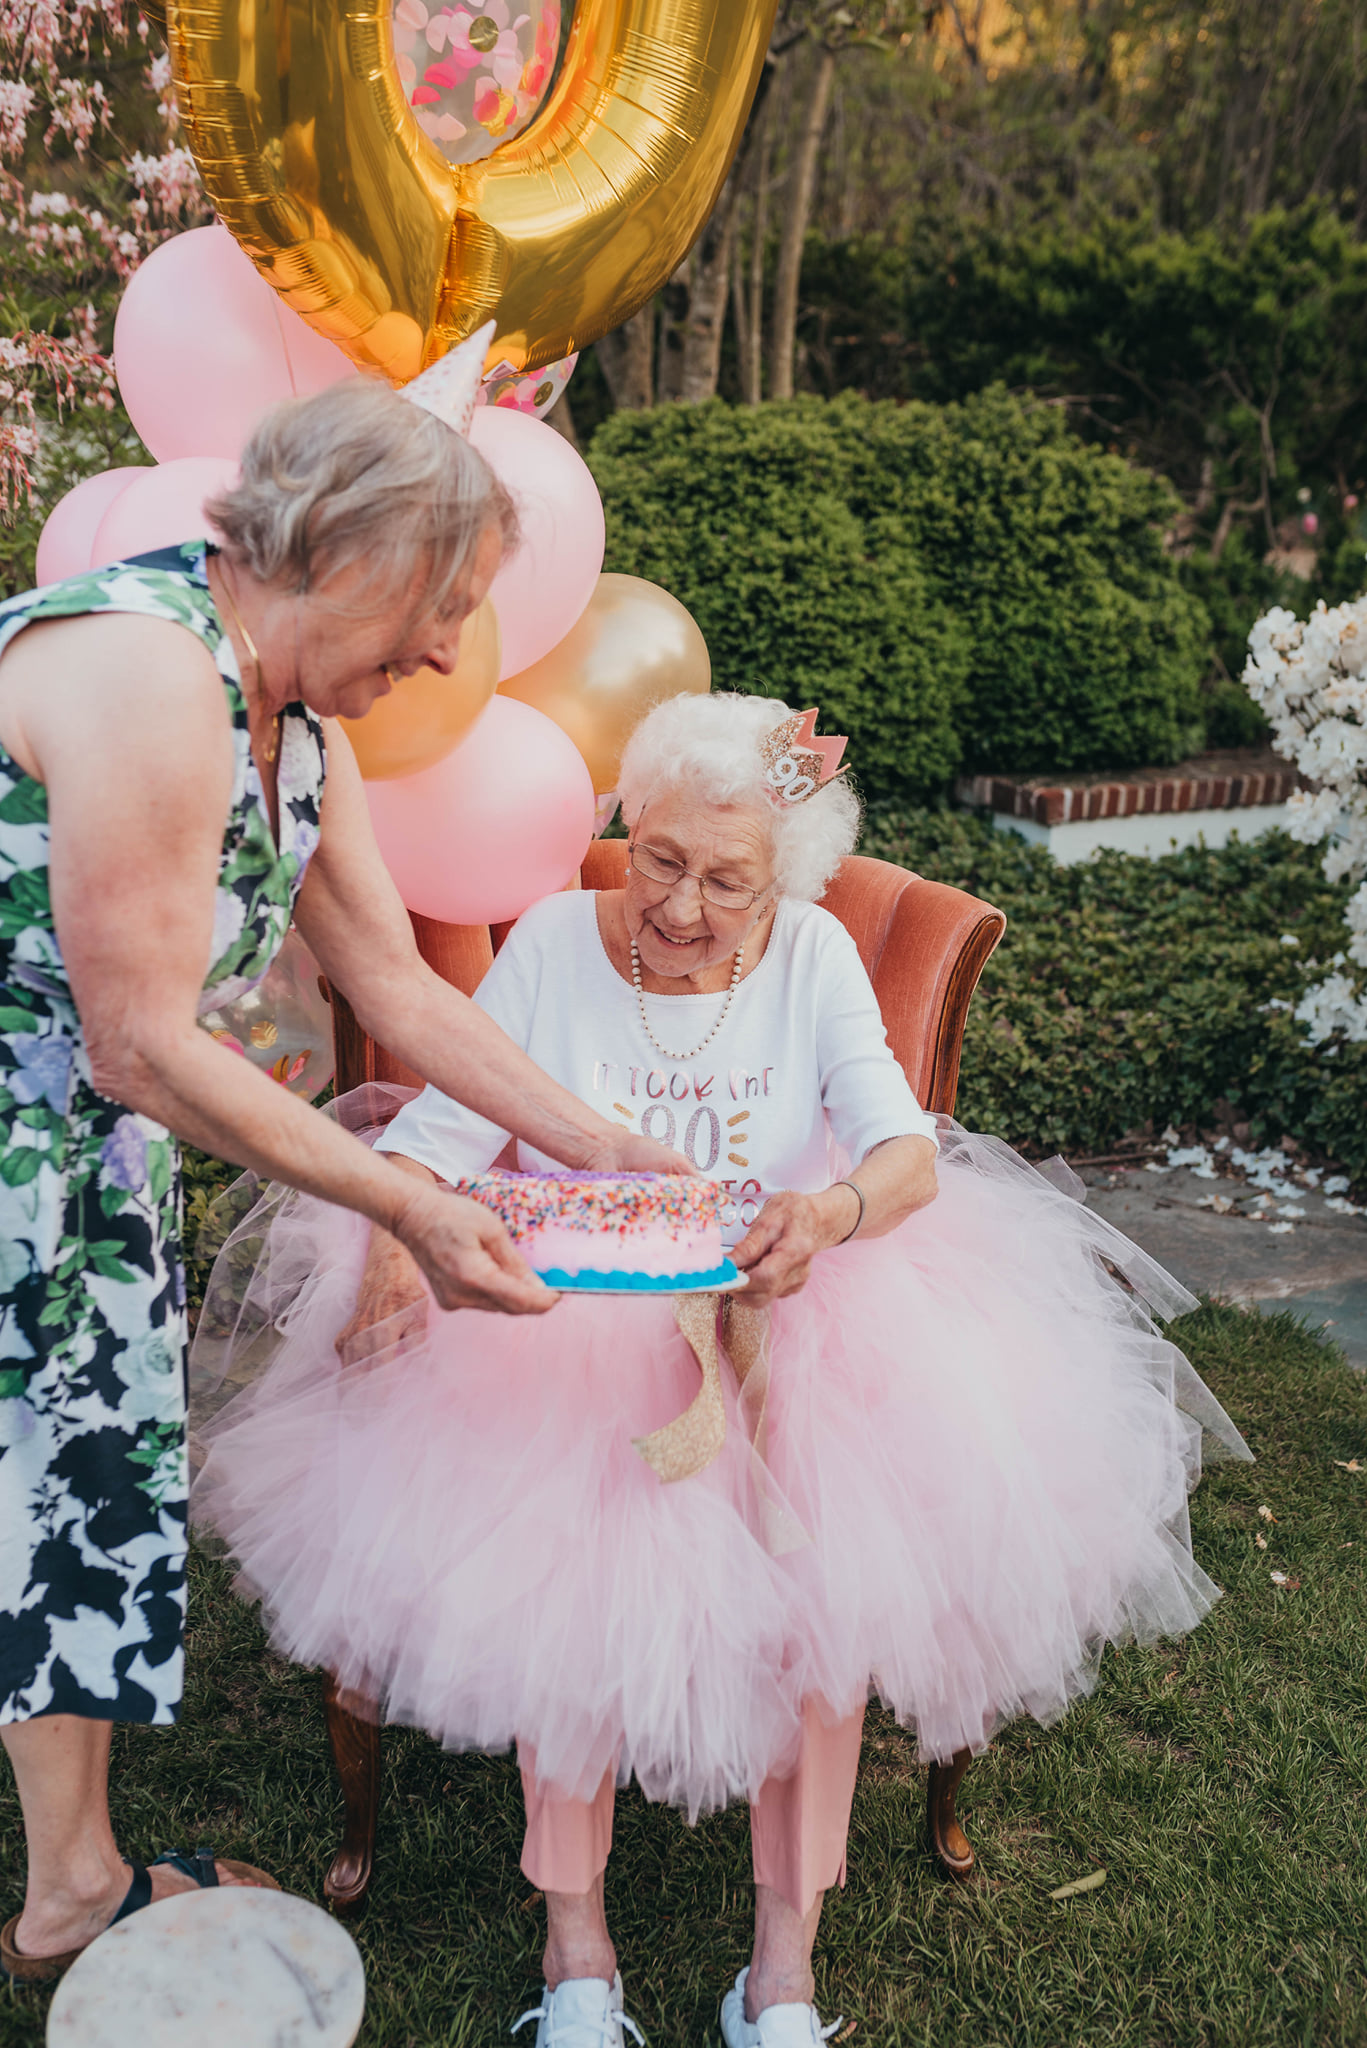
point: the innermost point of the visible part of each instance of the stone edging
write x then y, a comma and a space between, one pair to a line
1066, 803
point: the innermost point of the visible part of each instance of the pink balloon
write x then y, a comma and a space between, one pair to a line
313, 361
161, 507
501, 822
68, 535
543, 589
203, 346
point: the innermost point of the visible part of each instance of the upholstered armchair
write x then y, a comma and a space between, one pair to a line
924, 946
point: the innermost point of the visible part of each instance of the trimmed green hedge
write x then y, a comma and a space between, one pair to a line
1128, 991
963, 586
1198, 355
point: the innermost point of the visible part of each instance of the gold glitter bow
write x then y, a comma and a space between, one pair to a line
689, 1444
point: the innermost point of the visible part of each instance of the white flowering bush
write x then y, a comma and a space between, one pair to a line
1309, 679
91, 178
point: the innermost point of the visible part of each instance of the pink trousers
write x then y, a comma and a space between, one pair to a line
799, 1825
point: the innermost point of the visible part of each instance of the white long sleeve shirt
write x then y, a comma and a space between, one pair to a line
801, 1064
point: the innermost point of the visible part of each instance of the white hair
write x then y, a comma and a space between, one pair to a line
356, 474
710, 747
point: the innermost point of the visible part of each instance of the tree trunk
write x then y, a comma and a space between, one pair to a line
740, 305
710, 283
562, 419
752, 361
628, 356
970, 31
675, 301
801, 185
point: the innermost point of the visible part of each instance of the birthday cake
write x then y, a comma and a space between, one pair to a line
605, 1232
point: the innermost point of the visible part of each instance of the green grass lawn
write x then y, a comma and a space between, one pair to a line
1221, 1784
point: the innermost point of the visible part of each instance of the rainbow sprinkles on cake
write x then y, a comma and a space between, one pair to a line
600, 1232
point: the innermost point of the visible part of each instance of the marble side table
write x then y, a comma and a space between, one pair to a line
234, 1968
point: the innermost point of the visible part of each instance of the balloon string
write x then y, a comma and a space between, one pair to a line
284, 345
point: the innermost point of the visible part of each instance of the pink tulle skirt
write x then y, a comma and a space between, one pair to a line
977, 1453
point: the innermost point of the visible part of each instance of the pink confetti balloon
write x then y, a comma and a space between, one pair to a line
68, 537
531, 391
474, 74
284, 1024
203, 347
161, 507
541, 591
498, 824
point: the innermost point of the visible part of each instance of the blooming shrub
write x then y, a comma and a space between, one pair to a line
1310, 682
83, 197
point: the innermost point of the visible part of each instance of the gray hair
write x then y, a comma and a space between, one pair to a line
353, 475
710, 747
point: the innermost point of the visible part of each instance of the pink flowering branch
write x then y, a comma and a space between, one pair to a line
81, 86
71, 373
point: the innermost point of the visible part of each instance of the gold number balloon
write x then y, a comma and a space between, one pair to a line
312, 157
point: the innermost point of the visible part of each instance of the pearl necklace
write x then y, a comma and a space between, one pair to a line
645, 1021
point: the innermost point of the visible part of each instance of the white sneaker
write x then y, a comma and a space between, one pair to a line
778, 2026
582, 2012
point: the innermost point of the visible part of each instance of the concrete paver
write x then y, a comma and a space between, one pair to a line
1318, 1267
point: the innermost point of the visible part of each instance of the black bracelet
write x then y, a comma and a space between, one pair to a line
859, 1219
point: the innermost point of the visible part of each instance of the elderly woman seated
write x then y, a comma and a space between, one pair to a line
966, 1471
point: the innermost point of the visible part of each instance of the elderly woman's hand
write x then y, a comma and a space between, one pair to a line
894, 1180
391, 1307
776, 1252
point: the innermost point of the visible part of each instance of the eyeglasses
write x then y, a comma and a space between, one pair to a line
667, 874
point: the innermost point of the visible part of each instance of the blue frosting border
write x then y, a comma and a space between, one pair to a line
588, 1281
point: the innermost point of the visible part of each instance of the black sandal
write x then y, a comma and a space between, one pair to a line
201, 1867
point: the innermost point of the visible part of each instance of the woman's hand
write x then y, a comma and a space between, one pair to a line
628, 1153
392, 1293
776, 1252
465, 1252
895, 1179
468, 1258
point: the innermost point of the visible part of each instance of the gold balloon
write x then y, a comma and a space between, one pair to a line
426, 715
312, 157
634, 646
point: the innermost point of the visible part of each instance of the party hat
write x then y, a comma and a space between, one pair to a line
450, 388
796, 763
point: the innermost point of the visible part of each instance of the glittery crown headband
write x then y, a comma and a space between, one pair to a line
450, 388
796, 763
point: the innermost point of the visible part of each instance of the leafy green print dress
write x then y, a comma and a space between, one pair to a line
93, 1470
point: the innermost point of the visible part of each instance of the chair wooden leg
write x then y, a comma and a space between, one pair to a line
948, 1843
356, 1752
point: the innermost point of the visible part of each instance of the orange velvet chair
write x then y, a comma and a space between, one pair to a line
924, 946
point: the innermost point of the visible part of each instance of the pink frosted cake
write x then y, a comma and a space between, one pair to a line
630, 1231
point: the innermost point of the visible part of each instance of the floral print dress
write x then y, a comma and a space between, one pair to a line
93, 1473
